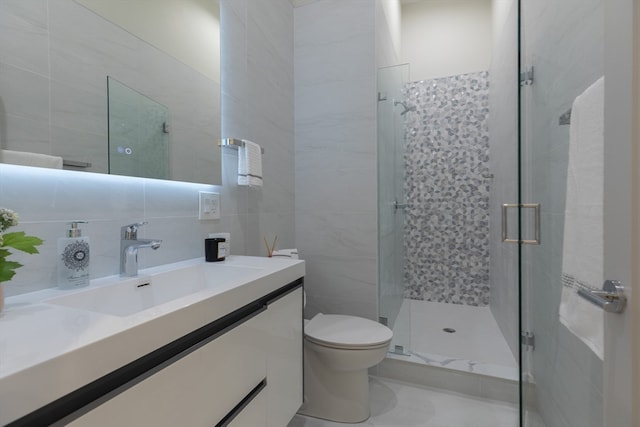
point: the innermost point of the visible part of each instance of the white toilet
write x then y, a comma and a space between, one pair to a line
338, 351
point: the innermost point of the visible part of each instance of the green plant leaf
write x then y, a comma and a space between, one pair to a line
20, 241
6, 270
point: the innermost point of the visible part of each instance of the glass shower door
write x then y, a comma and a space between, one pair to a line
575, 162
391, 138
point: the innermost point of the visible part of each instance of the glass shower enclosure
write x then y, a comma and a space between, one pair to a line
391, 204
561, 49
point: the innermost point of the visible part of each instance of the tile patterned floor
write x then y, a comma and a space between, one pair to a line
396, 404
477, 346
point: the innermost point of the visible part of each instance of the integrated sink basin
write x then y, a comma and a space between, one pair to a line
153, 287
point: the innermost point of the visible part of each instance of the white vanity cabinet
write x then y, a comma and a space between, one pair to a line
249, 374
278, 403
284, 359
200, 389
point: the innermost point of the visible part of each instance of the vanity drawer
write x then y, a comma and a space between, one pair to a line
199, 389
251, 412
284, 370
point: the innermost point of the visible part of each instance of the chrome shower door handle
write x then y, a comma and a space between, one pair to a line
536, 208
611, 298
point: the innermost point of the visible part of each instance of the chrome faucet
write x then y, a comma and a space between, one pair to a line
129, 245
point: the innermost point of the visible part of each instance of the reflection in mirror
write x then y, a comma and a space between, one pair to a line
53, 95
138, 133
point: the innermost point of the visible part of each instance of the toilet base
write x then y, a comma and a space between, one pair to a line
340, 396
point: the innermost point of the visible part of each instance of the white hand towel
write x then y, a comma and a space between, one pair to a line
24, 158
582, 255
250, 164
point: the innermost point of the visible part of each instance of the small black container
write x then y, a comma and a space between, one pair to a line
215, 249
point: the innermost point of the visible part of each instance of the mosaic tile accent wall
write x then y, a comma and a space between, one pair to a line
447, 190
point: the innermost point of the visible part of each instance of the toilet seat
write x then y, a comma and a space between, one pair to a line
347, 332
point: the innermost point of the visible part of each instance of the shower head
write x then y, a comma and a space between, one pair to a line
405, 106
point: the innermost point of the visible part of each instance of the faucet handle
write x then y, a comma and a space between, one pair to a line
130, 232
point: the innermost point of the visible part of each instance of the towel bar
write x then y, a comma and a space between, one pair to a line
233, 143
611, 298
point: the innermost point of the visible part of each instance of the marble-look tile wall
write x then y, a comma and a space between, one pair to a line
47, 199
335, 132
258, 104
447, 190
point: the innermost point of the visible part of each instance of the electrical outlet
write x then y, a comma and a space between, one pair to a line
209, 206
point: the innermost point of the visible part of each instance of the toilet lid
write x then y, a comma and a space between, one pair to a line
346, 331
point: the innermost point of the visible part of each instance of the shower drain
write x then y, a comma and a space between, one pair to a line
449, 330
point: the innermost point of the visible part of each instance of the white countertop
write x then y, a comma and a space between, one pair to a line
47, 351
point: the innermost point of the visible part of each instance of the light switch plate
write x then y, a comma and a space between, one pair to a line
209, 206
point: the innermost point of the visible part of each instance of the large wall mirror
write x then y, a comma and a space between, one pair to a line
54, 67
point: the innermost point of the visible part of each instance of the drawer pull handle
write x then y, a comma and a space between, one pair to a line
243, 404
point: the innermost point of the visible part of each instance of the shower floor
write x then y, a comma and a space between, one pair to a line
477, 345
